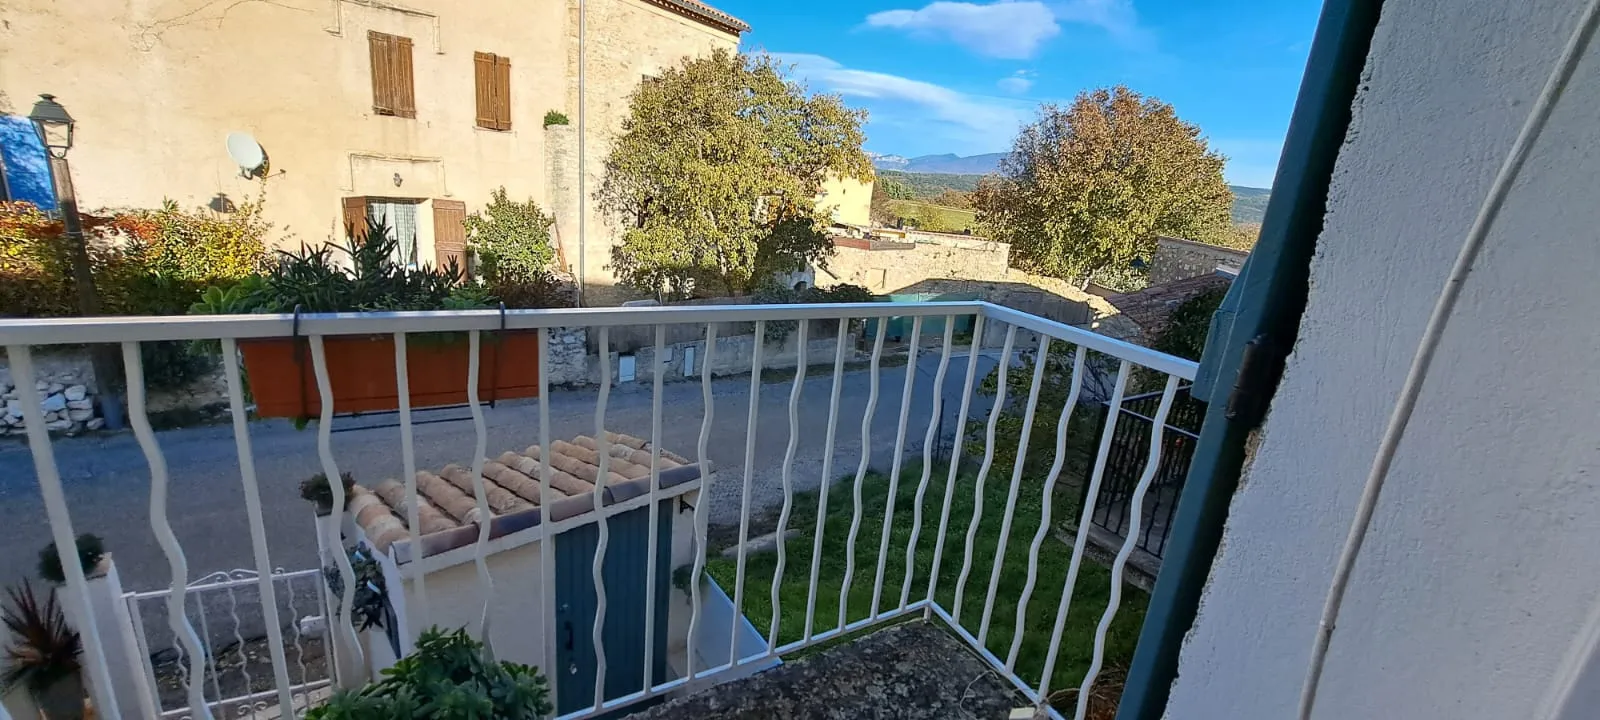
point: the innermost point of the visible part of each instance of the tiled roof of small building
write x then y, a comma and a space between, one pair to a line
1151, 308
447, 509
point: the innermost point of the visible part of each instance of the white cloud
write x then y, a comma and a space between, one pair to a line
1116, 17
963, 123
1003, 29
1018, 83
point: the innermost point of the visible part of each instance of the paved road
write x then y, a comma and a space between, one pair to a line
108, 482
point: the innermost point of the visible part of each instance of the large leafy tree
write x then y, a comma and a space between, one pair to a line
1087, 188
715, 174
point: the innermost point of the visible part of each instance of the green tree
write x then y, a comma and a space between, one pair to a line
715, 175
1090, 186
511, 239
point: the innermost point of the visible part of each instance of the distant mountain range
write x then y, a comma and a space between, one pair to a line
946, 164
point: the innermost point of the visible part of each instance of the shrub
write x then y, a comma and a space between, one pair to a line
316, 490
1189, 324
43, 649
511, 239
90, 550
450, 675
555, 117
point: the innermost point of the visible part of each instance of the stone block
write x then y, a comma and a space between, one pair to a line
76, 393
54, 388
55, 402
14, 407
95, 424
42, 385
58, 425
84, 404
79, 415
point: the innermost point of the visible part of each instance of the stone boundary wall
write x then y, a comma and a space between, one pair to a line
1179, 259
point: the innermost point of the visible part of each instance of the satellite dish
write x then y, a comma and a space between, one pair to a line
247, 154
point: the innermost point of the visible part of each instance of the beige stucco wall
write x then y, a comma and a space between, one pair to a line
156, 85
848, 200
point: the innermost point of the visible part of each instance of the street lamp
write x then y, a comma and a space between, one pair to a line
55, 127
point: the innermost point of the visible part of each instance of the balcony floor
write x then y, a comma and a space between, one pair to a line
911, 671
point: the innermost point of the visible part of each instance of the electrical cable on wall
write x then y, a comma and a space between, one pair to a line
1554, 87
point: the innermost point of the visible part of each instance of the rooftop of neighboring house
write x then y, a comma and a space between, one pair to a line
705, 13
1151, 308
447, 509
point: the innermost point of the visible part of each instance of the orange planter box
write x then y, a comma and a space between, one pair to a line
362, 374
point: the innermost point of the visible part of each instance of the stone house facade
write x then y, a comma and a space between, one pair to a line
414, 111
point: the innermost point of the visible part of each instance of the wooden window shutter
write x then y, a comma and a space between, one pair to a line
355, 219
450, 233
378, 48
483, 83
392, 81
406, 97
502, 92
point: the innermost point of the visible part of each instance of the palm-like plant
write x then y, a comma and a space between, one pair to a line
43, 649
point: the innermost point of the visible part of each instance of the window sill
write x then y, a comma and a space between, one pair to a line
493, 131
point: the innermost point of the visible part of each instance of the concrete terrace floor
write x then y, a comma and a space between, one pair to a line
913, 671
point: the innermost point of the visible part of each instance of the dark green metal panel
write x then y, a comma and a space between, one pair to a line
1251, 336
900, 327
623, 575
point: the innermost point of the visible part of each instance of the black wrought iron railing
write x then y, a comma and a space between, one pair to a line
1130, 448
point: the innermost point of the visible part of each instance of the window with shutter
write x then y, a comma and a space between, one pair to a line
392, 82
492, 83
355, 219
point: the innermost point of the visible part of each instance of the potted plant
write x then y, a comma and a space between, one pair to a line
43, 656
361, 368
318, 492
449, 676
91, 550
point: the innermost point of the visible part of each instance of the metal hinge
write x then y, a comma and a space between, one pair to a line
1253, 384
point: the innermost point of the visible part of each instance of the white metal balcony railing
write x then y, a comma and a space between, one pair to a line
19, 337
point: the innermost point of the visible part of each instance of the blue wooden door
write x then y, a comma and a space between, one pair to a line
623, 574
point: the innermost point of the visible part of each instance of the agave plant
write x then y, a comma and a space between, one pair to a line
43, 650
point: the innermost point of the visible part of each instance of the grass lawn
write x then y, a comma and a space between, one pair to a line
1088, 603
934, 218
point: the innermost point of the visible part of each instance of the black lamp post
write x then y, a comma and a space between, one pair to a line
56, 129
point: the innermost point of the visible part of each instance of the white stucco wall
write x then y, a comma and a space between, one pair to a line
1481, 564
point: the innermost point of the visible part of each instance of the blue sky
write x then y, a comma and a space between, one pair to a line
961, 77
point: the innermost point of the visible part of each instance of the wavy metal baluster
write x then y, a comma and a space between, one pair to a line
827, 475
238, 642
55, 505
704, 498
1092, 493
418, 610
955, 462
658, 368
1016, 482
603, 445
788, 487
547, 554
253, 513
983, 471
895, 463
479, 492
861, 474
928, 441
341, 560
205, 641
749, 473
1152, 464
299, 646
177, 564
1049, 495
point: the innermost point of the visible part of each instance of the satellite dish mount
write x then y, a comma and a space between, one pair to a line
248, 155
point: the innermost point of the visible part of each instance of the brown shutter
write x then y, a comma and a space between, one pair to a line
379, 50
502, 92
483, 82
450, 233
406, 98
355, 219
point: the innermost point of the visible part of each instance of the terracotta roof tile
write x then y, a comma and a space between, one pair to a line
705, 13
1151, 308
446, 503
